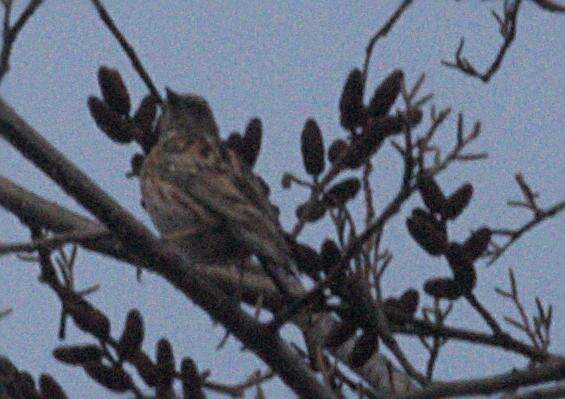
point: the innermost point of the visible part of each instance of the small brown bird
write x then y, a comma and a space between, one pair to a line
199, 194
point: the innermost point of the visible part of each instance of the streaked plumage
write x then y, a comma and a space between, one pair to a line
201, 195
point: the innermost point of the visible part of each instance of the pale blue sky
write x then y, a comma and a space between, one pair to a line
286, 62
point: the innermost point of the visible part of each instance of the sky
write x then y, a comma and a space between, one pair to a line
286, 62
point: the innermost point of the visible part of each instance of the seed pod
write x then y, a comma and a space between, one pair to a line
132, 336
23, 387
78, 354
136, 163
148, 370
463, 269
337, 149
110, 122
191, 381
86, 317
113, 378
251, 142
363, 349
362, 147
457, 202
286, 181
443, 288
342, 192
165, 364
408, 301
477, 244
8, 371
312, 146
340, 334
310, 211
306, 258
114, 90
386, 94
145, 114
50, 389
389, 125
351, 102
235, 143
330, 255
431, 193
427, 232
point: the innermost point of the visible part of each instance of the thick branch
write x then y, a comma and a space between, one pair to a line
162, 259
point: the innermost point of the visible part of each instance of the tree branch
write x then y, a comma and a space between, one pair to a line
10, 33
554, 371
128, 49
162, 259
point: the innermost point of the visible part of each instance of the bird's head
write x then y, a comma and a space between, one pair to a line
188, 114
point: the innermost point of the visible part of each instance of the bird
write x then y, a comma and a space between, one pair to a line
200, 195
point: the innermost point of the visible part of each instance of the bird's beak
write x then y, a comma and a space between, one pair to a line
173, 98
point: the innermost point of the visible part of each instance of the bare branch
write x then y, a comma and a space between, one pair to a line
553, 371
385, 29
128, 49
10, 33
165, 260
549, 5
507, 28
56, 241
538, 215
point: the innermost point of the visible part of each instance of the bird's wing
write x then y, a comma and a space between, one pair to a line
232, 193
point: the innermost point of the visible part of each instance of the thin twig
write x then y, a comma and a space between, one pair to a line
78, 237
538, 215
128, 49
485, 314
383, 31
507, 29
10, 33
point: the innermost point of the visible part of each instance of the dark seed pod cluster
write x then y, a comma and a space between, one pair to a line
165, 364
86, 317
132, 336
306, 257
112, 377
477, 243
117, 128
114, 90
443, 288
311, 211
312, 146
386, 94
112, 115
428, 232
351, 103
50, 388
18, 384
191, 381
78, 354
431, 194
337, 150
462, 267
146, 368
251, 142
457, 202
330, 255
364, 348
342, 192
